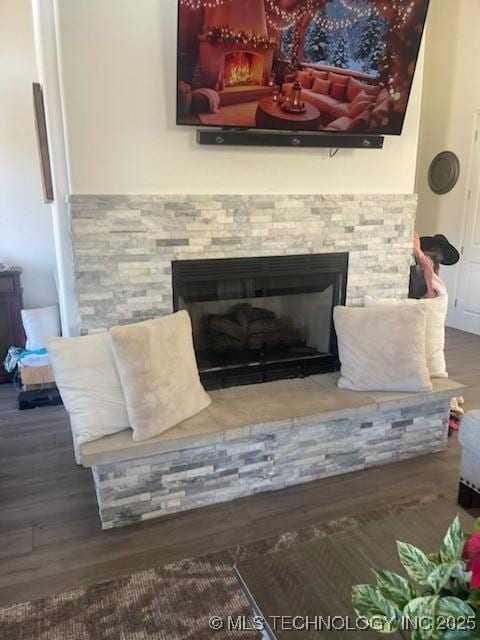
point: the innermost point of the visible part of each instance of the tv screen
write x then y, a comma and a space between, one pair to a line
338, 66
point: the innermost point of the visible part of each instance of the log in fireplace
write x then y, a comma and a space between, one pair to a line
262, 319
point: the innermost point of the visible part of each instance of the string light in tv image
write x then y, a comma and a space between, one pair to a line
326, 66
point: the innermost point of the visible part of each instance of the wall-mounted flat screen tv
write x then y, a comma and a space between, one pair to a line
334, 66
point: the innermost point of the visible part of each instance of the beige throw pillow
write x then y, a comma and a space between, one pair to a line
157, 367
437, 309
382, 348
87, 378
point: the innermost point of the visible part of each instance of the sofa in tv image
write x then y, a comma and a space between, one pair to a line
347, 102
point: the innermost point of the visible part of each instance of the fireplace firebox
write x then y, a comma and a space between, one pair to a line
262, 319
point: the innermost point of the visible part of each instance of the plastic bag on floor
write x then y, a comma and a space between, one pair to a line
11, 361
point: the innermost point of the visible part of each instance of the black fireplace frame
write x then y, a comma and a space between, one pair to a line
188, 272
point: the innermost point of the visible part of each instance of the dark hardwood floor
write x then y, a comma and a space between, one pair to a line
50, 538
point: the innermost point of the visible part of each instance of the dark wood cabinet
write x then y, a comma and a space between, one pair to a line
11, 328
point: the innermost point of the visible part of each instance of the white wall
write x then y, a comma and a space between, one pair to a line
119, 63
451, 97
26, 237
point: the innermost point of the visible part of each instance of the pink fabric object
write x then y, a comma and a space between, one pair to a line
439, 285
426, 265
435, 285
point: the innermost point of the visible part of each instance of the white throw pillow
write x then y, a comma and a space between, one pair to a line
437, 309
39, 324
88, 382
157, 366
382, 348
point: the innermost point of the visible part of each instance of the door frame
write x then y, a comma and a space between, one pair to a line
475, 140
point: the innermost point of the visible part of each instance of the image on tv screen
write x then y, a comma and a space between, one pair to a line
338, 66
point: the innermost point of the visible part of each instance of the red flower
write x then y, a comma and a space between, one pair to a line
472, 553
472, 547
474, 567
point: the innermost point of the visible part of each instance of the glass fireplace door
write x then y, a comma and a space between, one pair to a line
262, 320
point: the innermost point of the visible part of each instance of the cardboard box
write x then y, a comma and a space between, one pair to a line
37, 376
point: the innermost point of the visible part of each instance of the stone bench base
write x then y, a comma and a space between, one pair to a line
270, 457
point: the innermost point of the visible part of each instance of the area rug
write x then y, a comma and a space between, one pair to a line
172, 602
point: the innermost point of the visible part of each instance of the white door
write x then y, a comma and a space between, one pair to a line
468, 287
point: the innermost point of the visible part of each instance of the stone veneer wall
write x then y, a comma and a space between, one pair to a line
271, 459
124, 245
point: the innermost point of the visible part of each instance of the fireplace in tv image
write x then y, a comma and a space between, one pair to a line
243, 68
340, 66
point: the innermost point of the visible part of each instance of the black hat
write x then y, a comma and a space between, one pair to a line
450, 254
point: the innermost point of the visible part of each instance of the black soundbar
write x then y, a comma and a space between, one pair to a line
247, 137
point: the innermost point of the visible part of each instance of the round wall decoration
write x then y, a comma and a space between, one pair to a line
444, 172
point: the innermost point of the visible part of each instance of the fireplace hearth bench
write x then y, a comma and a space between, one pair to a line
263, 438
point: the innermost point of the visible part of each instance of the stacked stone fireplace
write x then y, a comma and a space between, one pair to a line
124, 246
129, 252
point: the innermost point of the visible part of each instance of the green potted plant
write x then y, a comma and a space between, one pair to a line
442, 600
